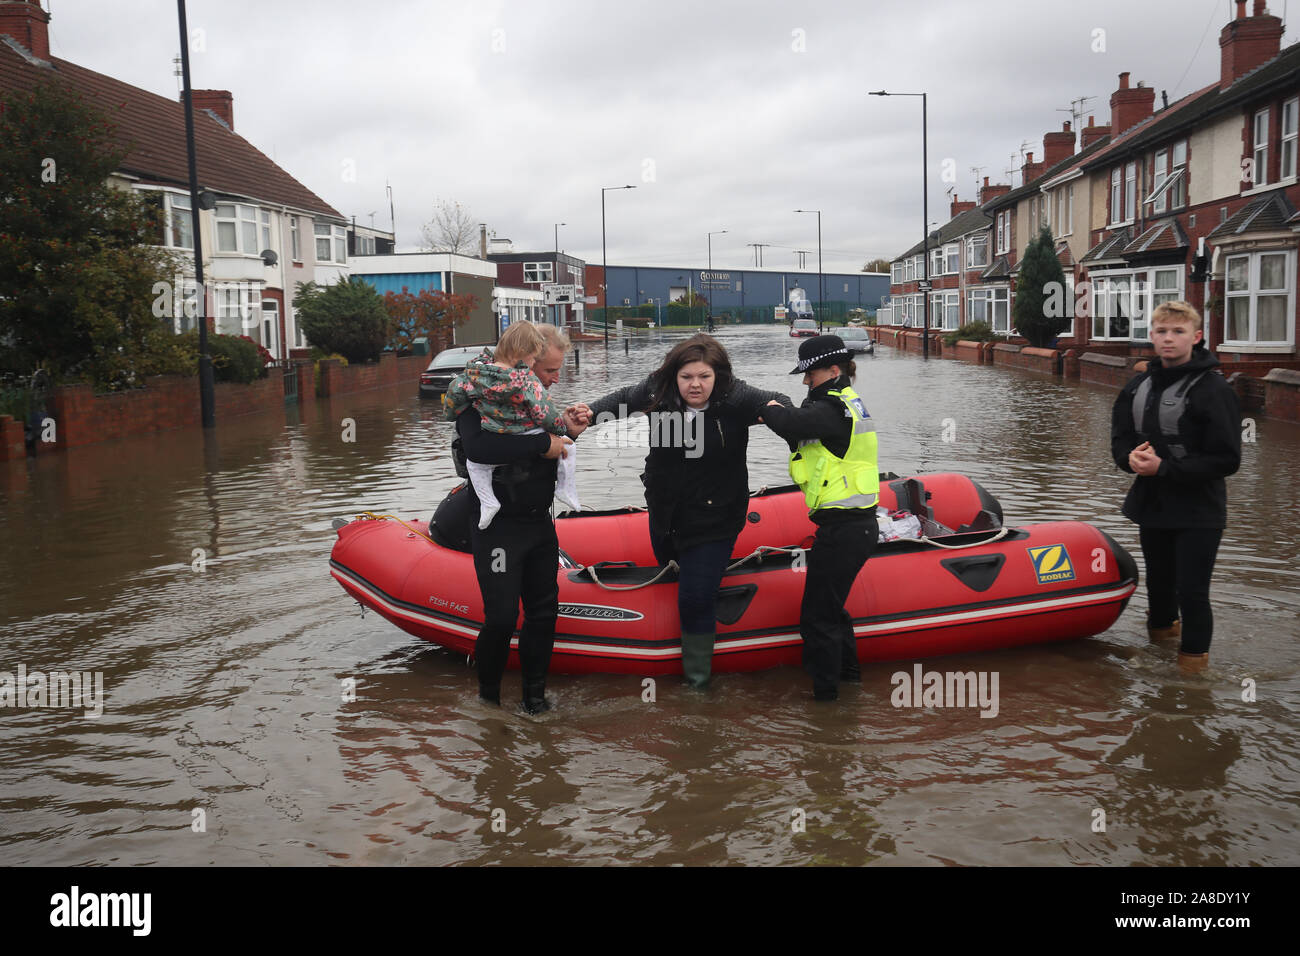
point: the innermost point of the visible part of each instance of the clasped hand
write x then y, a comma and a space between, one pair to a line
1144, 460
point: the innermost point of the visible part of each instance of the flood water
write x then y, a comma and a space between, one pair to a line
225, 738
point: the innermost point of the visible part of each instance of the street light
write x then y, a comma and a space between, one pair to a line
821, 284
925, 222
557, 237
604, 253
207, 393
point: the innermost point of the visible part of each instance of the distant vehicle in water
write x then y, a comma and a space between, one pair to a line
802, 328
800, 307
857, 340
445, 366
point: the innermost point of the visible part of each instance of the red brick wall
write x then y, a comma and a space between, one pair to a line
389, 370
1282, 395
1112, 370
970, 351
1047, 361
11, 439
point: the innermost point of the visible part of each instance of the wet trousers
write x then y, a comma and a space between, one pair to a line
838, 553
515, 561
1179, 562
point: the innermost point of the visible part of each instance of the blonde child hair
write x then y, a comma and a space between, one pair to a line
519, 342
1175, 311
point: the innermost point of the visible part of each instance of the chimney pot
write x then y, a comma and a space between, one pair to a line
1091, 121
1241, 9
1123, 77
1259, 8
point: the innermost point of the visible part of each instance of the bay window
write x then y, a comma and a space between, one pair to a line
237, 228
977, 251
1260, 299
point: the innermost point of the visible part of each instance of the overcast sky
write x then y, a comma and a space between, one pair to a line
725, 115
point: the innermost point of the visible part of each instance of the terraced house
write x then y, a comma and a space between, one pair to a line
1194, 199
262, 230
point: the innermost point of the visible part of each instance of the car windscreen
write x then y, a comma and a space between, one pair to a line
453, 360
805, 324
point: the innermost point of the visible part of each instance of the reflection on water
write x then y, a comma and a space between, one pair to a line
191, 570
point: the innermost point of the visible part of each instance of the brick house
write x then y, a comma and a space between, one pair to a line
1200, 204
257, 206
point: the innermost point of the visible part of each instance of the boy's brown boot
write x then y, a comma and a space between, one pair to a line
1193, 663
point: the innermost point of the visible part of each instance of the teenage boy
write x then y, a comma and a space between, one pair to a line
1177, 426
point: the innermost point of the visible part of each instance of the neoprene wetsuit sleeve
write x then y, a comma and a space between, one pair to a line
634, 398
1220, 452
489, 448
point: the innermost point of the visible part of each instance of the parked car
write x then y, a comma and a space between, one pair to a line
801, 328
445, 366
857, 340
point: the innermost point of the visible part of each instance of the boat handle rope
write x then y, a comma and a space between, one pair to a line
1002, 533
670, 566
371, 516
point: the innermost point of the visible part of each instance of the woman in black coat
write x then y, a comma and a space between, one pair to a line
696, 482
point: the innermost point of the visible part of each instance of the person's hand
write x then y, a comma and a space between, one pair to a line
574, 424
557, 447
1143, 460
581, 411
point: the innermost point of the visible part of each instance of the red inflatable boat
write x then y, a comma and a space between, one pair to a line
981, 587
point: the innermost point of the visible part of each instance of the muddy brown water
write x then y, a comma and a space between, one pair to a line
225, 738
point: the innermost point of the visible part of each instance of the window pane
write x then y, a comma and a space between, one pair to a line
1166, 278
1272, 271
1180, 154
250, 236
321, 228
1237, 322
323, 250
225, 211
226, 240
1271, 318
1238, 273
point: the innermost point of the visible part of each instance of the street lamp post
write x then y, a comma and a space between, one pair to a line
925, 221
557, 238
821, 282
604, 254
207, 392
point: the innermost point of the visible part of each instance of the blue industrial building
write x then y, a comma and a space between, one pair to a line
734, 289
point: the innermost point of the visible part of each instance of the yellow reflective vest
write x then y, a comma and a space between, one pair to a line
832, 482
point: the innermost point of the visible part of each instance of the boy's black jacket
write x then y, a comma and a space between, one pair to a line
1187, 492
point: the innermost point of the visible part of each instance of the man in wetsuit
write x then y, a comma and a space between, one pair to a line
516, 556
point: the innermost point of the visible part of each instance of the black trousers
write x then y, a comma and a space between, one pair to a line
838, 553
516, 560
1179, 563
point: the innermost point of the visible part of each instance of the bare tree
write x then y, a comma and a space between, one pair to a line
452, 229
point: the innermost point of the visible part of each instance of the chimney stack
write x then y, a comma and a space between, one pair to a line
26, 22
1247, 42
988, 192
1128, 107
1058, 146
1092, 133
219, 101
959, 207
1030, 170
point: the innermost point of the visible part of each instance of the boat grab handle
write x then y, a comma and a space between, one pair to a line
591, 569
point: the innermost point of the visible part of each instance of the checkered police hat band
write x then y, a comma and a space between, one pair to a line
805, 364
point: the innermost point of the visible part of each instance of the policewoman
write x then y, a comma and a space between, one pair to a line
833, 459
